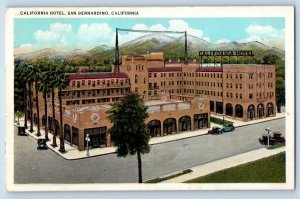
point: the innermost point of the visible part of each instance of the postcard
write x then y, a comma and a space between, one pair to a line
150, 98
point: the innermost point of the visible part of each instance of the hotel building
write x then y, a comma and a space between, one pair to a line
179, 96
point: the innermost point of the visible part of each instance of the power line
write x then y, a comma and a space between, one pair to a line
117, 53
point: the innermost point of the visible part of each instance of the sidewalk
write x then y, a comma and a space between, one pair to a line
238, 123
72, 153
212, 167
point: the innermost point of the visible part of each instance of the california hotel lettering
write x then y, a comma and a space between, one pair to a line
227, 53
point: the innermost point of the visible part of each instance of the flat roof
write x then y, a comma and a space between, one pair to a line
96, 76
160, 102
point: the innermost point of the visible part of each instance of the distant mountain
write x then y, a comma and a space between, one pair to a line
156, 38
172, 47
47, 52
99, 49
75, 53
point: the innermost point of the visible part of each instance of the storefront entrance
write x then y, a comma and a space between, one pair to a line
185, 123
170, 126
97, 137
154, 128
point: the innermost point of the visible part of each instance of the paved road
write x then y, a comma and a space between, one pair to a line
32, 166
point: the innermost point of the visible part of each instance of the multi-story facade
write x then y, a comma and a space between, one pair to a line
179, 96
240, 91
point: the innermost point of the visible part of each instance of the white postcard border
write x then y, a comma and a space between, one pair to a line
160, 12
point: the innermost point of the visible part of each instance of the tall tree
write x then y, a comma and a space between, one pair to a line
61, 83
30, 79
45, 89
280, 78
37, 82
22, 72
129, 131
20, 90
52, 75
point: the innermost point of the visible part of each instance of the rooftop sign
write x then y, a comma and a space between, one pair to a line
227, 53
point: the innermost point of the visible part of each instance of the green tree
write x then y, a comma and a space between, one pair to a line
18, 114
21, 71
45, 89
61, 83
19, 91
129, 131
53, 72
30, 79
280, 78
37, 82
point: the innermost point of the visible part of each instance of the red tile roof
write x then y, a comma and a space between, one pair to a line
97, 76
165, 69
209, 69
155, 60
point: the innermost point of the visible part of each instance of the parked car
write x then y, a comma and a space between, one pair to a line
21, 131
274, 138
42, 145
215, 131
278, 138
227, 128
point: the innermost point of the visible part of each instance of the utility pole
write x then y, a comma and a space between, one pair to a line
185, 48
117, 64
87, 138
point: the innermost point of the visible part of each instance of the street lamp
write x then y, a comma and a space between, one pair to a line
268, 130
223, 119
87, 144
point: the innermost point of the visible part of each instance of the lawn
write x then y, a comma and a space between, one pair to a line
267, 170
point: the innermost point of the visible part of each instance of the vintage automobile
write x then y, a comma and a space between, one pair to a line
227, 128
42, 145
274, 138
278, 138
215, 131
21, 131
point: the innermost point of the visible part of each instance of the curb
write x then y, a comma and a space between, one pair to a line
192, 136
260, 122
193, 169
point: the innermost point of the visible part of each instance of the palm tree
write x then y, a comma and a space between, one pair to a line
45, 89
61, 83
30, 79
52, 75
21, 71
37, 82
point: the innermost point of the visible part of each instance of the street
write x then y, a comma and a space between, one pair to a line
33, 166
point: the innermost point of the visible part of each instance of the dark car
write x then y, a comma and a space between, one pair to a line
264, 139
215, 131
42, 145
227, 128
278, 138
21, 131
274, 138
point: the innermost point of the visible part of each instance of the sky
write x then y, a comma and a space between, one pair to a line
64, 34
